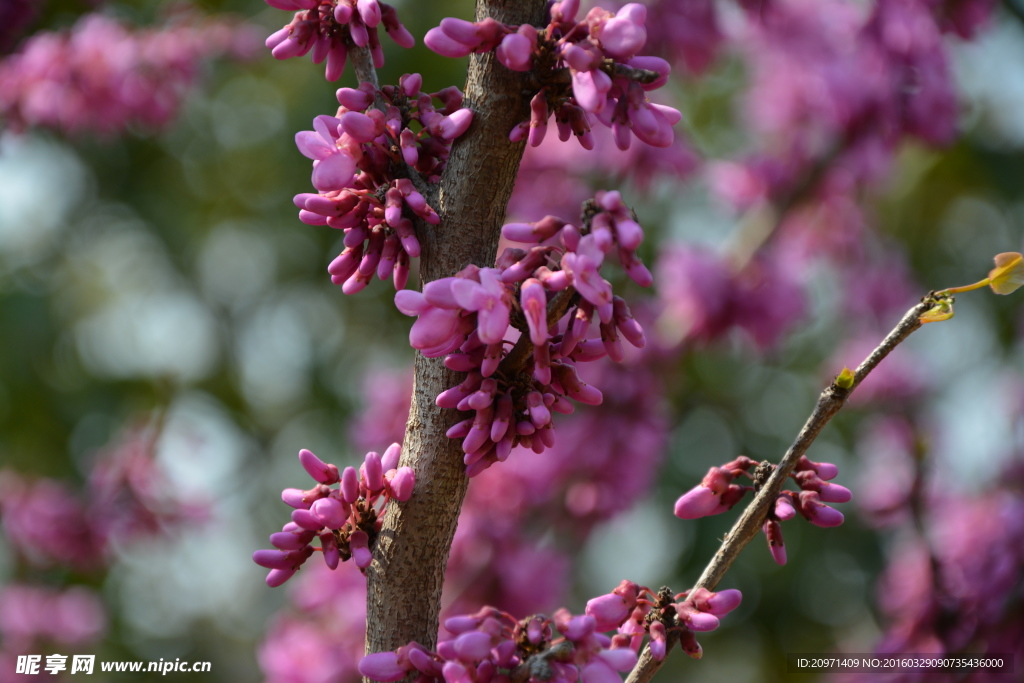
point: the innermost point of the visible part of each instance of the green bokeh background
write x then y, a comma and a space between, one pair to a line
202, 213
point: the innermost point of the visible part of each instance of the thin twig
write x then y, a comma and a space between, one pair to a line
1014, 9
749, 524
516, 358
564, 76
362, 63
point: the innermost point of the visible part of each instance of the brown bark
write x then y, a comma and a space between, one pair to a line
405, 580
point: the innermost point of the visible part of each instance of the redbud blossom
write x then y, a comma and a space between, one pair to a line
345, 519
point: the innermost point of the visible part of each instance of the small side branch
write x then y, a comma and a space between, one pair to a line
362, 63
749, 524
517, 357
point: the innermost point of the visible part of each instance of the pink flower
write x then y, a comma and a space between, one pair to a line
489, 299
623, 35
382, 666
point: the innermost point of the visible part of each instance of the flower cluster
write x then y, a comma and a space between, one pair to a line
835, 90
588, 70
329, 27
703, 297
102, 77
71, 616
466, 318
961, 581
359, 171
126, 497
717, 493
345, 519
320, 637
637, 611
562, 649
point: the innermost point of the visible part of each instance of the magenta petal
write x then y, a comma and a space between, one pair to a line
276, 577
620, 659
433, 328
456, 673
670, 114
374, 472
702, 621
586, 92
609, 610
493, 324
273, 559
466, 32
621, 37
827, 517
473, 646
354, 99
440, 292
597, 671
330, 512
334, 173
369, 12
411, 302
402, 483
534, 301
389, 460
700, 501
725, 601
317, 468
350, 485
442, 44
359, 126
456, 124
312, 145
834, 493
382, 666
784, 508
468, 294
515, 52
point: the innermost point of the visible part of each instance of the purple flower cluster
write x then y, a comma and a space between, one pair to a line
329, 27
359, 171
685, 32
346, 519
126, 497
466, 318
555, 179
836, 89
703, 298
717, 493
637, 611
103, 77
320, 636
33, 613
959, 586
606, 456
491, 646
33, 618
588, 70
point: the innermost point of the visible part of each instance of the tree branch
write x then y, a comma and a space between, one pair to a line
749, 524
362, 63
404, 582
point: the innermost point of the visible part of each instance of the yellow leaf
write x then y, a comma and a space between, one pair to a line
942, 310
844, 380
1008, 274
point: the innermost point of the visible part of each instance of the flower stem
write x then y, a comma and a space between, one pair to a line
967, 288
